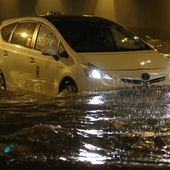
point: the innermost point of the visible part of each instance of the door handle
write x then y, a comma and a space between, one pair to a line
31, 60
5, 53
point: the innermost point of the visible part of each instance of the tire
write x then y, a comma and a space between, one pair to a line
2, 82
68, 88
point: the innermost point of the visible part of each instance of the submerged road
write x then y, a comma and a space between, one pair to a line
121, 129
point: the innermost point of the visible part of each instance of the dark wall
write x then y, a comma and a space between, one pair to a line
15, 8
19, 8
144, 17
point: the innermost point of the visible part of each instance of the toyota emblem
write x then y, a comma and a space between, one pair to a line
145, 76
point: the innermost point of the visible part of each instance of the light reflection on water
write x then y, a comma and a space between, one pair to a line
126, 128
96, 100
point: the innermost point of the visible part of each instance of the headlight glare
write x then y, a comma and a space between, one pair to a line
95, 72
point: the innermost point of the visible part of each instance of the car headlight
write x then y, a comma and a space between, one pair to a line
95, 72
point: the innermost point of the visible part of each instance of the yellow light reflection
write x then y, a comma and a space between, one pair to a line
145, 62
96, 100
93, 158
93, 119
91, 147
95, 132
24, 34
136, 38
124, 40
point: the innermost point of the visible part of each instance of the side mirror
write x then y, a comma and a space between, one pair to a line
49, 50
52, 51
64, 54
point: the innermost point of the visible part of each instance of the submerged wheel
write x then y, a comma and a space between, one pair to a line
68, 88
2, 82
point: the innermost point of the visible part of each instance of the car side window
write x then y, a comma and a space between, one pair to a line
44, 38
23, 33
7, 30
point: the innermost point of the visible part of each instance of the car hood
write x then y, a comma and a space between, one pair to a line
127, 60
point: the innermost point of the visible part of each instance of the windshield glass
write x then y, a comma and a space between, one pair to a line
100, 38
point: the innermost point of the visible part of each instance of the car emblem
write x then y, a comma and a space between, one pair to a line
145, 76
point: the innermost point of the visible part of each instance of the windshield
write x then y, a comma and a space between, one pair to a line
100, 38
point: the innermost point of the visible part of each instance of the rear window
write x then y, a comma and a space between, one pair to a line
23, 33
6, 31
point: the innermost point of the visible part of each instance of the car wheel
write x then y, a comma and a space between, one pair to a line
68, 88
2, 82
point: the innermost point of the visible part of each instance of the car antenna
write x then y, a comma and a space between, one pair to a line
34, 12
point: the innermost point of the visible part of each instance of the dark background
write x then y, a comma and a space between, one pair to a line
144, 17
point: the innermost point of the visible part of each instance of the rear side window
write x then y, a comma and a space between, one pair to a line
23, 33
7, 30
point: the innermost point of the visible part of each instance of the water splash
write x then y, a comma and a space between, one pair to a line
102, 129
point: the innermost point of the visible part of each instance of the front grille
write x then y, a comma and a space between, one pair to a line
142, 81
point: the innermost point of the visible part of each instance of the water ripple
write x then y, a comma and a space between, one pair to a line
126, 128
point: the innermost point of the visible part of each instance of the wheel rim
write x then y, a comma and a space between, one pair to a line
2, 83
70, 90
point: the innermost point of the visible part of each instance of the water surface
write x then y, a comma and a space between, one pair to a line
120, 129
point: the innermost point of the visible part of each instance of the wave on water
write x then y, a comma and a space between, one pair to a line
121, 129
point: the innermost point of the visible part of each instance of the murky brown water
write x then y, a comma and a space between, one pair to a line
121, 129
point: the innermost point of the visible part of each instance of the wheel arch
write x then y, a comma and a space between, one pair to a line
64, 81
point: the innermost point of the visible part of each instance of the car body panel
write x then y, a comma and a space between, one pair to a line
14, 67
42, 73
126, 60
27, 68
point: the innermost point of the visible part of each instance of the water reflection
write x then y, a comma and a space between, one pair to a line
96, 100
91, 157
122, 129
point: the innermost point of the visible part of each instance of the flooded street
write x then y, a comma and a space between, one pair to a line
121, 129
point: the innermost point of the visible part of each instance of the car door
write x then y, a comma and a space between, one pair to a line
42, 68
15, 54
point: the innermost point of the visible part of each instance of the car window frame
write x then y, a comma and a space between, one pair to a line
4, 27
33, 35
36, 35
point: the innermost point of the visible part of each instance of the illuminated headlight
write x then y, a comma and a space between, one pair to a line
95, 73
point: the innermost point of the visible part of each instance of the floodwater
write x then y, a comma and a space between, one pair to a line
121, 129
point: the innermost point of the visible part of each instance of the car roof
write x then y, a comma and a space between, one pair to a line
61, 20
20, 19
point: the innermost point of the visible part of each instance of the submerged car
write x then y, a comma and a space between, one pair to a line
68, 54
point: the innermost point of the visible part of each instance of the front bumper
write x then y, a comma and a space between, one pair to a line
88, 84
